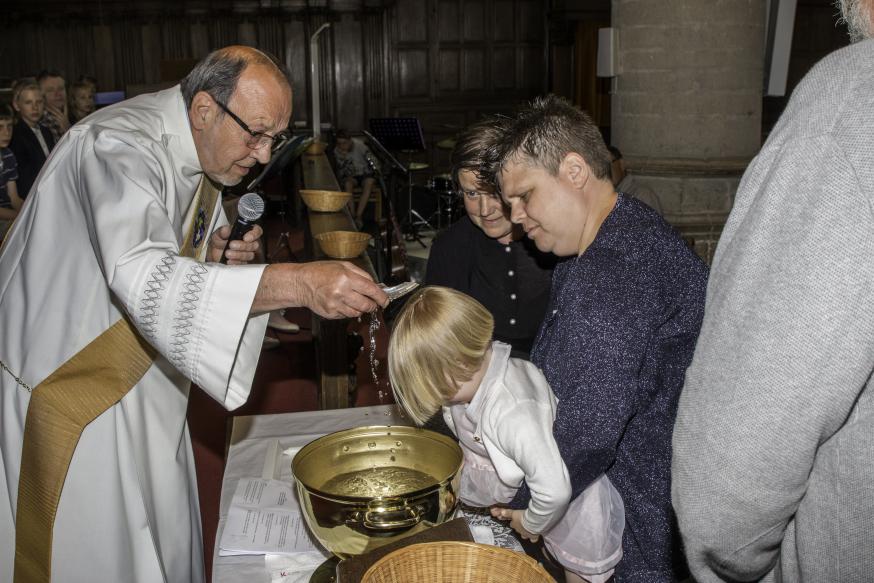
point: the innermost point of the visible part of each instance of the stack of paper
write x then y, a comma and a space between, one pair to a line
264, 518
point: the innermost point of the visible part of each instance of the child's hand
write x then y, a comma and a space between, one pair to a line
515, 518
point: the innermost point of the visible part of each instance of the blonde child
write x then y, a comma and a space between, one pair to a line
501, 409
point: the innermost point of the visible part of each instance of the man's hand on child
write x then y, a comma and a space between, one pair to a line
515, 518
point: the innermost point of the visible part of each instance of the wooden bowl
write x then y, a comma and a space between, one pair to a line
450, 562
316, 148
325, 201
343, 244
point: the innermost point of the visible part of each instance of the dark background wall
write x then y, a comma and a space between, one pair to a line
443, 61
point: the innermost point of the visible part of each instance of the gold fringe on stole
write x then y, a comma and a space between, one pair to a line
61, 406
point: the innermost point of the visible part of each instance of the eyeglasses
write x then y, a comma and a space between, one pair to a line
257, 140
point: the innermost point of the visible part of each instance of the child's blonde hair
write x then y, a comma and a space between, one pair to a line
438, 341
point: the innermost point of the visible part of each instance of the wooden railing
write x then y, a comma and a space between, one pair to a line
332, 352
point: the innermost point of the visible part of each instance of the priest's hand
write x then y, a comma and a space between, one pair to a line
332, 289
239, 252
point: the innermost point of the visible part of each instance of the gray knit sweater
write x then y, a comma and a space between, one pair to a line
773, 469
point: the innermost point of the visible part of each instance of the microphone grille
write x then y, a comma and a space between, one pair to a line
250, 207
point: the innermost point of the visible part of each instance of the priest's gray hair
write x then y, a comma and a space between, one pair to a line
859, 16
218, 73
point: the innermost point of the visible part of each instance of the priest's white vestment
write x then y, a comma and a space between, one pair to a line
100, 235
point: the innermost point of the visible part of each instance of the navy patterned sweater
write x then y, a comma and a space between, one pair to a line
618, 336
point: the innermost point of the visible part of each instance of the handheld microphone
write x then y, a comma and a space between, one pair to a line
249, 210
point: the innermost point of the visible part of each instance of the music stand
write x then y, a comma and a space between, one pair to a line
403, 134
384, 153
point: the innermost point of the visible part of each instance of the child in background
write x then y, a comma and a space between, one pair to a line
10, 203
502, 410
353, 169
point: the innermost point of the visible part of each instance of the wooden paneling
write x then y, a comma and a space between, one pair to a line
449, 70
482, 59
448, 22
474, 70
349, 73
445, 61
413, 73
504, 63
504, 17
412, 21
474, 20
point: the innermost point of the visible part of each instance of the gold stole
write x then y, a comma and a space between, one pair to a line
89, 383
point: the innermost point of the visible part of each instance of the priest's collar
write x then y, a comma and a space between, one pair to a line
177, 132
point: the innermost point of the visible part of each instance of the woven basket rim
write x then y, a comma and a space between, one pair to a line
325, 200
318, 192
350, 236
404, 558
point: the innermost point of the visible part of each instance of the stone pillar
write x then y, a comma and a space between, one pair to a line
687, 103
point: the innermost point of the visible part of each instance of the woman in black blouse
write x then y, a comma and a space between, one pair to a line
487, 257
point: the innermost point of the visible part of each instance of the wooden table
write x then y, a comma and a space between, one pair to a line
332, 352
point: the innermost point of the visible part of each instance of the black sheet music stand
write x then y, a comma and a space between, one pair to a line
403, 134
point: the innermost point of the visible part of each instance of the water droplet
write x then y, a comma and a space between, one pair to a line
392, 458
392, 450
398, 443
345, 448
371, 444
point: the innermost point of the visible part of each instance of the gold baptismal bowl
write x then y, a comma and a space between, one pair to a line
363, 488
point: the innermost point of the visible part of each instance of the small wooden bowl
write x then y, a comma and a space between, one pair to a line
316, 148
343, 244
325, 201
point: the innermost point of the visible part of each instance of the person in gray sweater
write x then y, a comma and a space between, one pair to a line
773, 466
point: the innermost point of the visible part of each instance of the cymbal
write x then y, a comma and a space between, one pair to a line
446, 144
417, 166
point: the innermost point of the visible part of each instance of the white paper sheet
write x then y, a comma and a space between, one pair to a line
264, 518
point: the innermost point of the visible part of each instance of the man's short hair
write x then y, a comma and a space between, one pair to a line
6, 112
472, 146
615, 153
218, 73
47, 74
438, 341
546, 130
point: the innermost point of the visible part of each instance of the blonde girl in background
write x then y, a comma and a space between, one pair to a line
441, 354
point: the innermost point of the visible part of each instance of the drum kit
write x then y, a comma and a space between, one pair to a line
448, 203
440, 199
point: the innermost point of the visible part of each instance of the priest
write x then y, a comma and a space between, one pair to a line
112, 301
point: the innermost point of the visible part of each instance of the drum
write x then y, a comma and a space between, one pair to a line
442, 184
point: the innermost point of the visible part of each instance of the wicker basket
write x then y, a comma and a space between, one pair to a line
452, 562
316, 148
343, 244
325, 201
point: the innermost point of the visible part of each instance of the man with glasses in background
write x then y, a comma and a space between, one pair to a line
112, 301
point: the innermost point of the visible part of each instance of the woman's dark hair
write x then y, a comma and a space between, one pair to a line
471, 147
